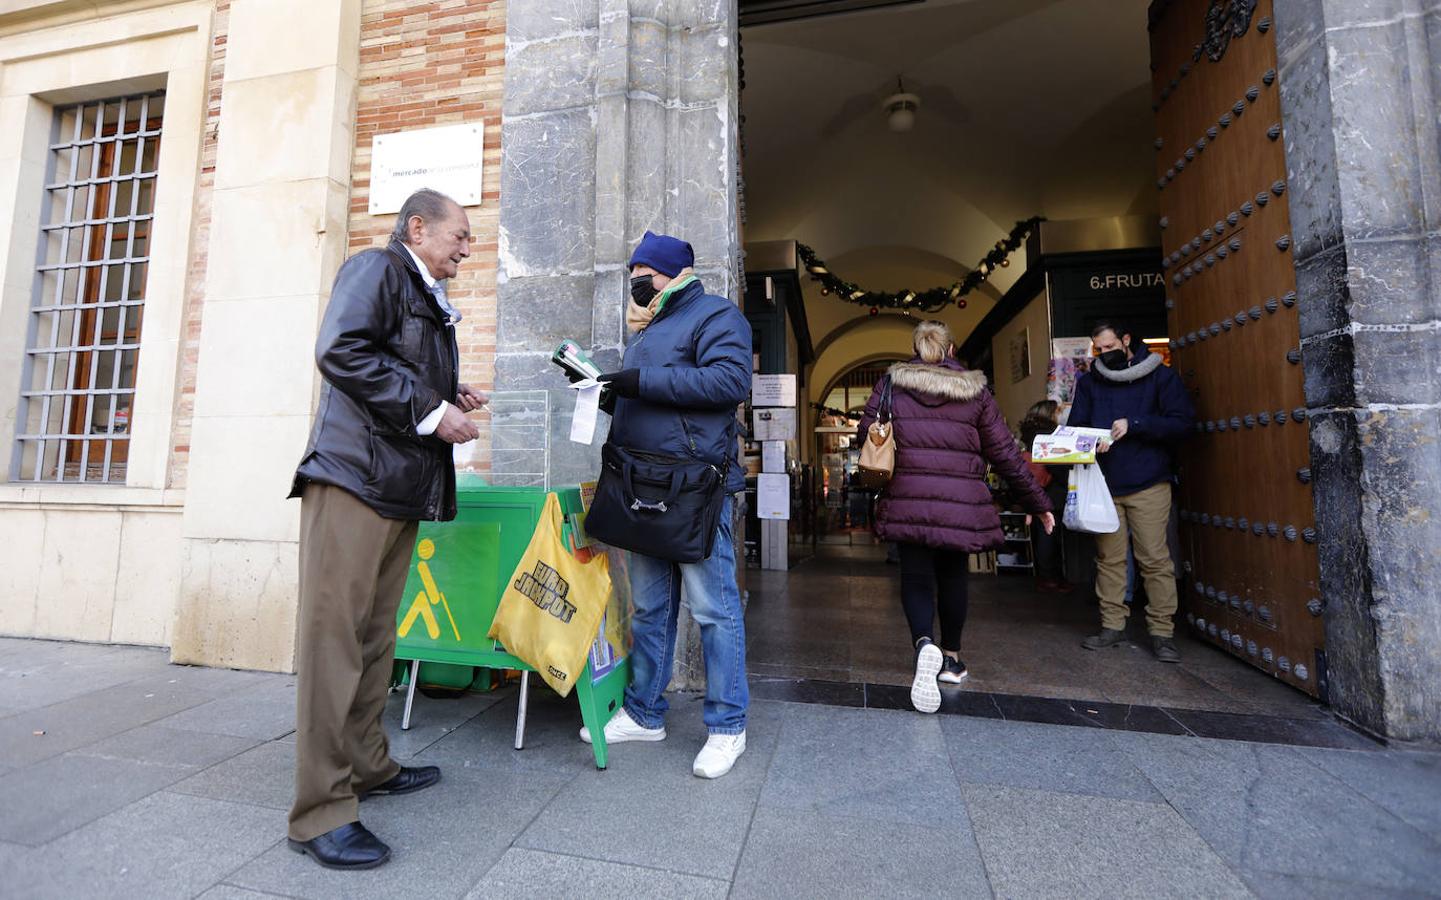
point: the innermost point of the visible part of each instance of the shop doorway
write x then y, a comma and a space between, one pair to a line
899, 143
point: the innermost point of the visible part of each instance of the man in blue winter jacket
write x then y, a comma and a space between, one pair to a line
684, 373
1146, 408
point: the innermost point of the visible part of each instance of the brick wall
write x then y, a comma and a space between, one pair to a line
421, 65
424, 65
199, 248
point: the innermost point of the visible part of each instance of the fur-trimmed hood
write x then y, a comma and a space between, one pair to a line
943, 381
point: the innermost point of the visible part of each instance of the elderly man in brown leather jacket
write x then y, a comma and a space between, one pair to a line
379, 461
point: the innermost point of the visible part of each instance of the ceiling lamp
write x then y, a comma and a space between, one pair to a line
900, 109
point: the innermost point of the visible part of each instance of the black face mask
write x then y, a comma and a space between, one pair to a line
1115, 360
642, 290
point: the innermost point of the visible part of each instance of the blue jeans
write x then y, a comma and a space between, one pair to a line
709, 588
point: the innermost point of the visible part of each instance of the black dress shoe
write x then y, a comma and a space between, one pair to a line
407, 781
347, 847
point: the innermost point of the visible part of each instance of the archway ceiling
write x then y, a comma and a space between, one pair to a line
1054, 117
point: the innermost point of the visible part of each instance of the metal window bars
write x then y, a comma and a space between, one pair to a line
83, 338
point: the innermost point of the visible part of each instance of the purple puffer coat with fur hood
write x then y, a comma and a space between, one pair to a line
947, 428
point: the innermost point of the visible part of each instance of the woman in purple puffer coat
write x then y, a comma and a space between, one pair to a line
937, 506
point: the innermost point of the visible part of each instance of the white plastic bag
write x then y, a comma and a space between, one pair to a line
1088, 502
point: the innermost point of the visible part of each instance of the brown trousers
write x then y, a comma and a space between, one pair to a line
1145, 517
353, 566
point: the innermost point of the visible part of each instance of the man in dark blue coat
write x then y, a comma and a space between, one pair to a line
684, 374
1146, 409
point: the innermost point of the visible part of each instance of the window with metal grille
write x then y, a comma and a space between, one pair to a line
83, 344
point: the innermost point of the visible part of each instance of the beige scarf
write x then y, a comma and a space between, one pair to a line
637, 317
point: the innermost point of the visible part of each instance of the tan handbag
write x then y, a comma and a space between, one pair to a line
878, 453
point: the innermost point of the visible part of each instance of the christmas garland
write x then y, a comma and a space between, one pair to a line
928, 301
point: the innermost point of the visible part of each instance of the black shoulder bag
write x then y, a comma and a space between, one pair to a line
666, 507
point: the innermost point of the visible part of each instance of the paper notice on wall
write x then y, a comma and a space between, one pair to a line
773, 390
773, 424
773, 496
587, 408
773, 456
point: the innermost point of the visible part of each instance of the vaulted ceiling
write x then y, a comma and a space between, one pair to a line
1028, 107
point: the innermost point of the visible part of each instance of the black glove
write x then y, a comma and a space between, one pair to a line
625, 383
572, 375
607, 402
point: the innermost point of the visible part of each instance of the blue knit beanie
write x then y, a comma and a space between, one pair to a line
665, 254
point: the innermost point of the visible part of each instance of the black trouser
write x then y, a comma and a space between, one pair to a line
928, 576
1047, 547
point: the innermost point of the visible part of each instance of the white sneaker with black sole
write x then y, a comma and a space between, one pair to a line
925, 693
953, 671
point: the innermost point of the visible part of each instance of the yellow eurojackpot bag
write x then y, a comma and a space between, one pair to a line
550, 613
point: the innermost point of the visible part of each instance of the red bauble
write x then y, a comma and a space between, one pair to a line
961, 303
875, 311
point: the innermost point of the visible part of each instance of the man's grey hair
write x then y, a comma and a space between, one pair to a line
430, 205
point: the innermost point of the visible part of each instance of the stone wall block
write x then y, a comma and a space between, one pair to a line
613, 58
705, 205
536, 314
1394, 281
708, 57
1329, 364
699, 13
1323, 291
648, 48
1400, 450
1353, 683
645, 169
654, 10
551, 75
531, 20
1314, 196
612, 153
548, 178
612, 293
1371, 125
1397, 367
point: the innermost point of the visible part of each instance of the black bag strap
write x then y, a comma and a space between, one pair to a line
884, 416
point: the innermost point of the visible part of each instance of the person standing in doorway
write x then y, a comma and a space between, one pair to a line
1044, 418
682, 378
937, 507
1144, 405
378, 461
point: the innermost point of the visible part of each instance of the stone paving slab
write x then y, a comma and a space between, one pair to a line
1266, 808
671, 818
1407, 784
867, 764
525, 873
263, 776
1049, 844
790, 855
50, 798
165, 845
88, 718
1041, 757
265, 711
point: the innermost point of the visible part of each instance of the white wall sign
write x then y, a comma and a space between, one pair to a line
448, 159
773, 496
774, 425
773, 390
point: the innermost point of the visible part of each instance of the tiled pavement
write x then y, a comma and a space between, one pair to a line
122, 776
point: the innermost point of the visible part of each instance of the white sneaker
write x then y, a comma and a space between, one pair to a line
925, 694
622, 728
719, 754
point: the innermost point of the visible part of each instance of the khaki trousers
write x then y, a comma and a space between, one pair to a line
353, 566
1145, 515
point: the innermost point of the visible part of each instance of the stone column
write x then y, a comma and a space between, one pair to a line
1360, 85
282, 190
620, 116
